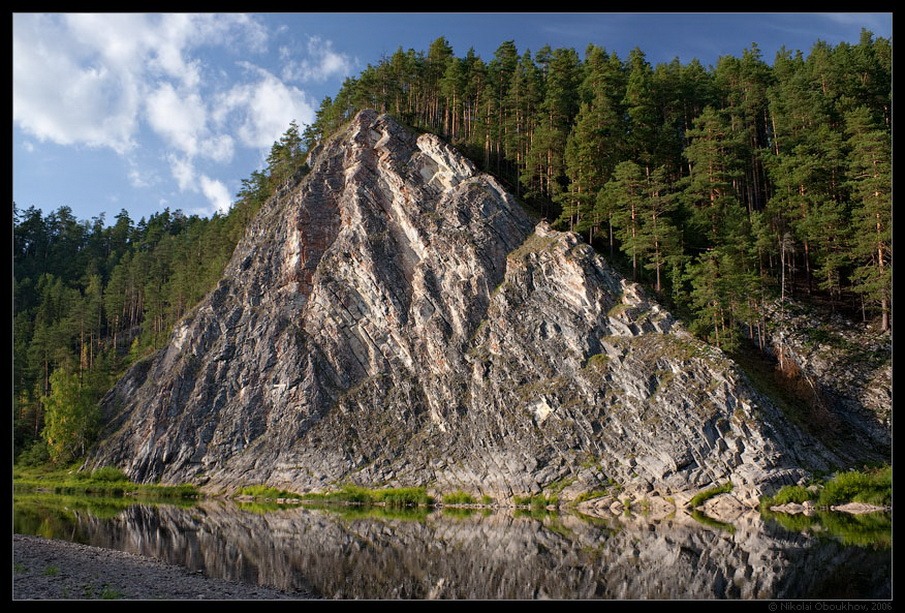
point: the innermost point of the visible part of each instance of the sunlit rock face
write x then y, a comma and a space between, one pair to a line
396, 319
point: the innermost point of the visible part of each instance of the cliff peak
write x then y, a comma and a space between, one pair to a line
395, 318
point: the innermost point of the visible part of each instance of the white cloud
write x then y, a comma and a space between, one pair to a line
219, 148
217, 194
62, 93
183, 171
190, 180
79, 78
321, 64
263, 110
130, 82
179, 117
139, 176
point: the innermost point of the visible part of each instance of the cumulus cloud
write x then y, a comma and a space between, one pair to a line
177, 117
132, 82
190, 180
64, 93
320, 63
217, 195
183, 170
79, 79
263, 109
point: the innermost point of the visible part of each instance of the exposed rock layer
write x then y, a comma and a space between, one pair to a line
396, 319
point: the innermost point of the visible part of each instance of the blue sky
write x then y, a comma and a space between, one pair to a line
142, 112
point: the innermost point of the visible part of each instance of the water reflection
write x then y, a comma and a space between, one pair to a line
460, 554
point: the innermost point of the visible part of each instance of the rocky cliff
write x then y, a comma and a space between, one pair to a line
395, 319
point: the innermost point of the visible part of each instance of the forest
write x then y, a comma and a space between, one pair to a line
725, 190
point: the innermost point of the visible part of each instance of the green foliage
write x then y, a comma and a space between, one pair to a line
790, 494
458, 497
266, 492
591, 495
71, 417
722, 188
182, 491
538, 501
869, 487
391, 497
108, 474
287, 156
37, 454
105, 481
699, 498
403, 497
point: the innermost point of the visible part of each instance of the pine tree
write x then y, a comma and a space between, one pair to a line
871, 184
452, 90
501, 70
713, 156
286, 155
523, 100
658, 238
595, 144
624, 196
641, 109
744, 83
554, 122
439, 56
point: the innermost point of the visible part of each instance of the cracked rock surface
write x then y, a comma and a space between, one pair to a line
396, 319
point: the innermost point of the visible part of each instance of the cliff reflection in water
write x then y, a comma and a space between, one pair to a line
496, 556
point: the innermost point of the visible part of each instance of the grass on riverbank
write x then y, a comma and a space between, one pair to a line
869, 486
391, 497
106, 481
701, 497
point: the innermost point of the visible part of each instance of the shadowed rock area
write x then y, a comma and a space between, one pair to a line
396, 319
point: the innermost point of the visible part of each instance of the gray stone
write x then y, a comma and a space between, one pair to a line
411, 325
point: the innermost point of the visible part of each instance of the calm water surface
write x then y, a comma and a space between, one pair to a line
478, 555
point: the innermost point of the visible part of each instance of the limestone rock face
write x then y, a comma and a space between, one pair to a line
395, 319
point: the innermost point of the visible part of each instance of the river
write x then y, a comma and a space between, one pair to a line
499, 555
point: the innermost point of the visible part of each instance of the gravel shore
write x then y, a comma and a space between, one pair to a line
45, 569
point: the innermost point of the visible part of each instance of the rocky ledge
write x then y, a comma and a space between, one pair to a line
396, 319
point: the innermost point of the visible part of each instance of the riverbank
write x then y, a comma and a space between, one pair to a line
46, 569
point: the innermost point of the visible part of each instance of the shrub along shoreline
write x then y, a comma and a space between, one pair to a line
865, 490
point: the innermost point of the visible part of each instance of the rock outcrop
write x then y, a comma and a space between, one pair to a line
396, 319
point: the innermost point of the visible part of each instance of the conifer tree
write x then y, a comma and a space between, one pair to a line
625, 194
715, 165
871, 184
523, 100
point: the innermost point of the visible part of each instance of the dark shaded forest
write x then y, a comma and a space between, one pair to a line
725, 190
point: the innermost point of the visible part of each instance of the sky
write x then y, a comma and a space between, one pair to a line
147, 111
